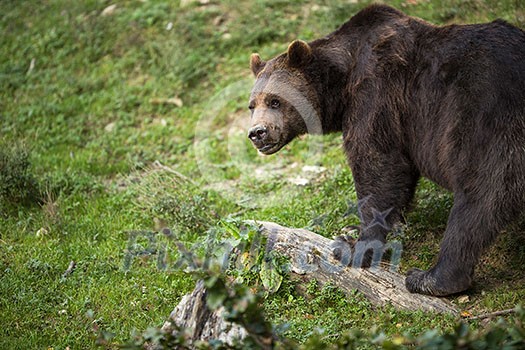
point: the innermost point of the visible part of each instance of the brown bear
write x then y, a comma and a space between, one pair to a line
411, 99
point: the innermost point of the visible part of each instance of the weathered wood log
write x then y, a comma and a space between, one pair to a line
200, 323
312, 256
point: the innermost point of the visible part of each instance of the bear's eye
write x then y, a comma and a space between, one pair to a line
275, 103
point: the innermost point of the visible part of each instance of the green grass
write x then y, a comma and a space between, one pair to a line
88, 97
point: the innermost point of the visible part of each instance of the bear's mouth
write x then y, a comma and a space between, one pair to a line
270, 148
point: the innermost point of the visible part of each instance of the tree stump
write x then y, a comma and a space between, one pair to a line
201, 323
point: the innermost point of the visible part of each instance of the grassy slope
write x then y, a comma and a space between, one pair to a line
91, 112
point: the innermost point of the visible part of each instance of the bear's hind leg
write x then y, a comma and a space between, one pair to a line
472, 227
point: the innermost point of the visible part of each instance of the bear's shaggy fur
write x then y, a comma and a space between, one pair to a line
412, 99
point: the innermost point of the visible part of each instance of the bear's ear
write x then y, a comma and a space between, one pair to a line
256, 64
299, 53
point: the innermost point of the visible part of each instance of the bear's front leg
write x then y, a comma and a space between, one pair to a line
470, 230
384, 189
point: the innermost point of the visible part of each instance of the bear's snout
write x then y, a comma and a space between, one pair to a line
265, 138
258, 134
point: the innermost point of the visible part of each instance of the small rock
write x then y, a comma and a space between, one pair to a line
172, 101
110, 127
313, 169
217, 21
317, 8
175, 101
260, 172
108, 11
299, 181
184, 3
169, 26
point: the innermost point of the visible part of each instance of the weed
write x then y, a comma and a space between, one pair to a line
18, 185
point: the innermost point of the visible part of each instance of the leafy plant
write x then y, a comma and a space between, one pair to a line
242, 306
17, 183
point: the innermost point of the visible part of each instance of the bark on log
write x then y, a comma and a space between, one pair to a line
311, 255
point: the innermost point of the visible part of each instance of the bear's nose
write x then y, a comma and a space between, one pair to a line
258, 133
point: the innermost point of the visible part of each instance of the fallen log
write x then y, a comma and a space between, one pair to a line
311, 257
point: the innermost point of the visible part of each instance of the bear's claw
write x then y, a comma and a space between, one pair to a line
431, 282
419, 281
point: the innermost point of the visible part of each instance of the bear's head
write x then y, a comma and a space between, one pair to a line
283, 102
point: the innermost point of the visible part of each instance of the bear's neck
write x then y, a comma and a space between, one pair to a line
330, 72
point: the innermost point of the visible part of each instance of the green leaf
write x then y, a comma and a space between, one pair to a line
215, 299
270, 277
